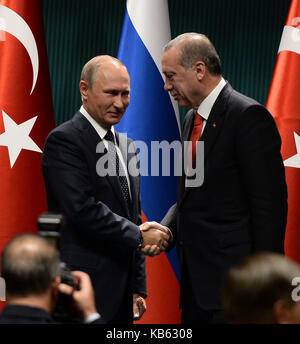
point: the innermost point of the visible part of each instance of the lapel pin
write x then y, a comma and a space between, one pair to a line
214, 124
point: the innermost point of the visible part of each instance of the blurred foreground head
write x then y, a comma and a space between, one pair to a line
29, 265
260, 290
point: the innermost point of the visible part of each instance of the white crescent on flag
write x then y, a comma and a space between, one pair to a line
290, 40
294, 161
17, 26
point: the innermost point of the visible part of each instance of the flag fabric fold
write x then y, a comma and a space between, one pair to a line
26, 116
284, 104
152, 118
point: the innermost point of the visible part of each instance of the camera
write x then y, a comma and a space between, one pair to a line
50, 226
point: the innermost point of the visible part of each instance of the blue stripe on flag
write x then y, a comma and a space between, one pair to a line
149, 117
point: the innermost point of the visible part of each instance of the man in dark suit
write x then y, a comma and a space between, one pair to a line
30, 267
85, 167
241, 206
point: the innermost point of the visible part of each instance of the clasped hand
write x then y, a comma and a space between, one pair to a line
156, 238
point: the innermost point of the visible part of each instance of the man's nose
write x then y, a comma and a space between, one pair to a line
167, 85
118, 103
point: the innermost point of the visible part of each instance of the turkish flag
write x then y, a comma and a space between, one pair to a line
26, 116
284, 104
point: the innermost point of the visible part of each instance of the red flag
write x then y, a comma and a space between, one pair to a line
284, 104
26, 116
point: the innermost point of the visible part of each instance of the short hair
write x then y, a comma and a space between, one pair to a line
196, 47
90, 70
29, 264
252, 287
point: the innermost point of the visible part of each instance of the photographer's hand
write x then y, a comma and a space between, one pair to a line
84, 298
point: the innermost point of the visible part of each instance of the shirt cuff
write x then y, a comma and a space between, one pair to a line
171, 234
92, 318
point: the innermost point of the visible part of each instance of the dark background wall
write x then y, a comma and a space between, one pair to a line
246, 34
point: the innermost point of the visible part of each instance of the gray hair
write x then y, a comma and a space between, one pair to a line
252, 287
196, 47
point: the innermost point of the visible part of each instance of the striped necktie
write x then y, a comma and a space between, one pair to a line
117, 166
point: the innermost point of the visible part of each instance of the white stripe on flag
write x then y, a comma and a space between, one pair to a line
151, 21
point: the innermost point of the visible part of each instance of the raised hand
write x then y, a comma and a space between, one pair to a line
84, 298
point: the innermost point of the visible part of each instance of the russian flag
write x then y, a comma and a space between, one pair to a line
152, 117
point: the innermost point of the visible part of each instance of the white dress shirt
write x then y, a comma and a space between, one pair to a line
102, 132
205, 107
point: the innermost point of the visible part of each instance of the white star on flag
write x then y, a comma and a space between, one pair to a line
16, 137
294, 161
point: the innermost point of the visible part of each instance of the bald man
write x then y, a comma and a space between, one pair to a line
30, 267
85, 167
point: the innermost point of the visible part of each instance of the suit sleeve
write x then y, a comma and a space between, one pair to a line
258, 146
140, 281
140, 278
69, 187
170, 219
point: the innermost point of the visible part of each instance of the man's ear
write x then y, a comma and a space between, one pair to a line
83, 87
54, 288
56, 282
200, 69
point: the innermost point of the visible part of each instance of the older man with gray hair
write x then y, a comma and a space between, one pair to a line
241, 207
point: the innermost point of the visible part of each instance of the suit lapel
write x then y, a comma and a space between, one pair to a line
210, 133
186, 133
215, 120
92, 139
123, 145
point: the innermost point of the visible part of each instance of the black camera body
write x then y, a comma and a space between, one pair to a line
50, 226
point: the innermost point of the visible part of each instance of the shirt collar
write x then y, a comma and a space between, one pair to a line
205, 107
99, 129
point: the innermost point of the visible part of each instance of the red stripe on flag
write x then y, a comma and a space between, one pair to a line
25, 93
284, 104
163, 289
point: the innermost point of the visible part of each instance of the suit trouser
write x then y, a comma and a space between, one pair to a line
192, 313
125, 313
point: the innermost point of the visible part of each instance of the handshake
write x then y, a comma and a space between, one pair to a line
156, 238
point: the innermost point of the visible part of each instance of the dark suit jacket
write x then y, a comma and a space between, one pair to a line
19, 314
101, 236
241, 207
